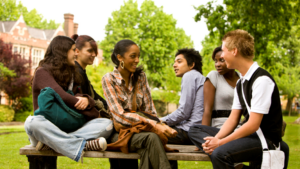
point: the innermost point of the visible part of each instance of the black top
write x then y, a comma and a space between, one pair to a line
271, 124
85, 85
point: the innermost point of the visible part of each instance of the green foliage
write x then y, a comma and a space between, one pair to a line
286, 113
6, 113
23, 107
153, 30
22, 116
95, 74
4, 71
11, 11
265, 20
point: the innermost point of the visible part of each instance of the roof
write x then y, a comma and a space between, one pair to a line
6, 26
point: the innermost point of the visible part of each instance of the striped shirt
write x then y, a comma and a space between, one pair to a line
119, 98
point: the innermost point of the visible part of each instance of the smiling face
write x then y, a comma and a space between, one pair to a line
228, 56
130, 58
181, 66
71, 55
86, 55
220, 64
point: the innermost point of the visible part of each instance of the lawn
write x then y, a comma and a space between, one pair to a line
11, 143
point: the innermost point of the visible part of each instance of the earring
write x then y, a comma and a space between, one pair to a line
122, 66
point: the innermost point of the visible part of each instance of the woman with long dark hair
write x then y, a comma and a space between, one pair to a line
129, 100
57, 71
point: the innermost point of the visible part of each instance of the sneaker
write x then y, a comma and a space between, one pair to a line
96, 145
42, 147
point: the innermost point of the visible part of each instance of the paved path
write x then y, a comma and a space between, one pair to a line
14, 123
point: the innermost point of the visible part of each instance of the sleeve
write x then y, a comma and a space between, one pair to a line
186, 102
262, 90
236, 102
115, 107
213, 77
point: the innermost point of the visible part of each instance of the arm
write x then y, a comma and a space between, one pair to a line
186, 102
209, 95
119, 114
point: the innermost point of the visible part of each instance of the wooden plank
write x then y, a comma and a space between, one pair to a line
186, 153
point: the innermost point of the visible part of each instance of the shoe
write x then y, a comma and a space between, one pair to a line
96, 145
42, 147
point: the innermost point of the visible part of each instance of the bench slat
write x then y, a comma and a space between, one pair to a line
186, 153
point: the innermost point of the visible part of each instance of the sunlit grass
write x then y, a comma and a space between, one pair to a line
11, 143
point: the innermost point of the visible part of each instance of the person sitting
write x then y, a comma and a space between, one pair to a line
86, 51
57, 71
231, 146
127, 92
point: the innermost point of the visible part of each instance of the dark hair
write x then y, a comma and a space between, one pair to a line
120, 48
216, 50
56, 61
80, 42
191, 56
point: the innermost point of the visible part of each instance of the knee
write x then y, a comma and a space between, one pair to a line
34, 124
194, 131
219, 154
153, 138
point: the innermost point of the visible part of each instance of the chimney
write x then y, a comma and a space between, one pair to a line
75, 28
69, 25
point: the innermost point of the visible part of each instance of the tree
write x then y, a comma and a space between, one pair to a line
11, 11
14, 86
153, 30
265, 20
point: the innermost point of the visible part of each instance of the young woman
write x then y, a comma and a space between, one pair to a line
57, 71
86, 51
119, 88
218, 92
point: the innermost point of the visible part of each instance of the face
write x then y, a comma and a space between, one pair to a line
181, 66
86, 55
228, 56
220, 64
130, 58
71, 55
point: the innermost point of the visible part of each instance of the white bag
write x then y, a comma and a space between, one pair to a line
272, 159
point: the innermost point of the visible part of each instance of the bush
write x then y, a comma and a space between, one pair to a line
160, 107
22, 116
6, 113
286, 113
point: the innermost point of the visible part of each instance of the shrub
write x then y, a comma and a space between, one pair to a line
160, 107
22, 116
286, 113
6, 113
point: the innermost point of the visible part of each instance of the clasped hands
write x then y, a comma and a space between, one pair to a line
210, 144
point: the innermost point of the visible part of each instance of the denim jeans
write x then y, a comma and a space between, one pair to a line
240, 150
69, 144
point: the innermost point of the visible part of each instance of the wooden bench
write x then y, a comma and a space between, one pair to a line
186, 153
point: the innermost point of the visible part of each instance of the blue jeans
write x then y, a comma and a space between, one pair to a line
69, 144
240, 150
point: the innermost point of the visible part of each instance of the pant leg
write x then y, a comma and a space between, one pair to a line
149, 146
199, 132
181, 138
40, 129
116, 163
285, 148
99, 127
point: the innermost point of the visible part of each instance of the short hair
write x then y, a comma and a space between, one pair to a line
217, 49
191, 56
242, 40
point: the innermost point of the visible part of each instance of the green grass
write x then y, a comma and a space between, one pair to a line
11, 143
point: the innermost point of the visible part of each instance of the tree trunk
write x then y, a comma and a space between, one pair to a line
289, 105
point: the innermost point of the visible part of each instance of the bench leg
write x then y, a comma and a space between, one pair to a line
42, 162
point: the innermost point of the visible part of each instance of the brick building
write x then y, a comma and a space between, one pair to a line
32, 43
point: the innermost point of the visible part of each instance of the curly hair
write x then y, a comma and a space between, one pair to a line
191, 56
56, 61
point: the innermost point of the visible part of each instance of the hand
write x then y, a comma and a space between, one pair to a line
210, 145
82, 103
168, 131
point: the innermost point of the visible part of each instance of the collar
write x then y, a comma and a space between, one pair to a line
79, 66
119, 78
250, 72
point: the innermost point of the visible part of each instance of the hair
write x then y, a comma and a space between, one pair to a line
242, 40
80, 42
191, 56
216, 50
121, 48
56, 61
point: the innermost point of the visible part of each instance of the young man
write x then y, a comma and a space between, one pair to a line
188, 66
229, 146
